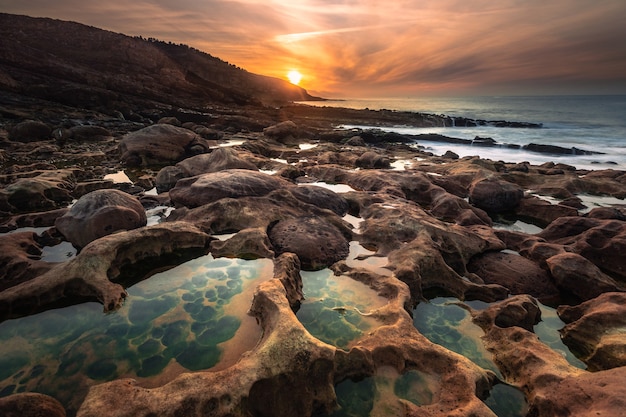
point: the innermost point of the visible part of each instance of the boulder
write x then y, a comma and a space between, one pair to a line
520, 275
88, 133
160, 144
495, 196
577, 275
317, 243
232, 183
247, 244
168, 176
46, 191
519, 310
284, 132
602, 241
595, 330
372, 160
321, 197
30, 404
218, 160
541, 212
100, 213
30, 131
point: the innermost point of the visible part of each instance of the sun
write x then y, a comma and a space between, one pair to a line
294, 77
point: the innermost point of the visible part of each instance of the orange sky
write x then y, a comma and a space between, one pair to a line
367, 48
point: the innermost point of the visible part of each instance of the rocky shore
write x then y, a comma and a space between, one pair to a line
256, 183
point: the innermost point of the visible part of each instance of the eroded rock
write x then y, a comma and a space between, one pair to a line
100, 213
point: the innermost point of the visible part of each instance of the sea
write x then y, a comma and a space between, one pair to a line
588, 122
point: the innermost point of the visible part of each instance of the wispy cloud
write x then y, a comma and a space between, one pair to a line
362, 47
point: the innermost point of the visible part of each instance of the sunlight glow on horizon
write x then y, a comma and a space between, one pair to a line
363, 48
294, 77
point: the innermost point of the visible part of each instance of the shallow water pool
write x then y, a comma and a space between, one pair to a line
191, 317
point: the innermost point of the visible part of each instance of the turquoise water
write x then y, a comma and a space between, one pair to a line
449, 325
177, 320
336, 308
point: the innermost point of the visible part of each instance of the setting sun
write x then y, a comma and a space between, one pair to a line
294, 77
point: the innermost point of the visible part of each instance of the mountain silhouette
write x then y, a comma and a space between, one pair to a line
82, 66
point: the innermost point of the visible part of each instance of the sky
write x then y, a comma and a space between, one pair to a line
373, 48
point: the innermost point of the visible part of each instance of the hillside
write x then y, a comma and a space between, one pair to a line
86, 67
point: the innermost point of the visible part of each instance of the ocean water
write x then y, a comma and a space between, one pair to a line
594, 123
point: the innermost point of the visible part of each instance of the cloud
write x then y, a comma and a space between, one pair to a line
356, 47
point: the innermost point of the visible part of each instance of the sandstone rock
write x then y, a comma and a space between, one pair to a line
48, 190
246, 244
317, 243
541, 212
88, 132
31, 405
372, 160
519, 310
218, 160
160, 144
284, 132
30, 131
580, 277
20, 259
518, 274
234, 183
321, 197
601, 241
100, 213
168, 176
551, 385
595, 330
170, 120
495, 196
91, 274
617, 213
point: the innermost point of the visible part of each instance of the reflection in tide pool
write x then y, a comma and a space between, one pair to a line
191, 317
336, 309
379, 395
548, 332
449, 325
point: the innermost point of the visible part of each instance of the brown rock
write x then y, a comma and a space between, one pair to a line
541, 212
580, 277
91, 273
160, 144
321, 197
31, 405
595, 330
284, 132
495, 196
552, 386
372, 160
520, 275
48, 190
519, 310
246, 244
603, 242
30, 131
219, 160
233, 183
317, 243
100, 213
20, 259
